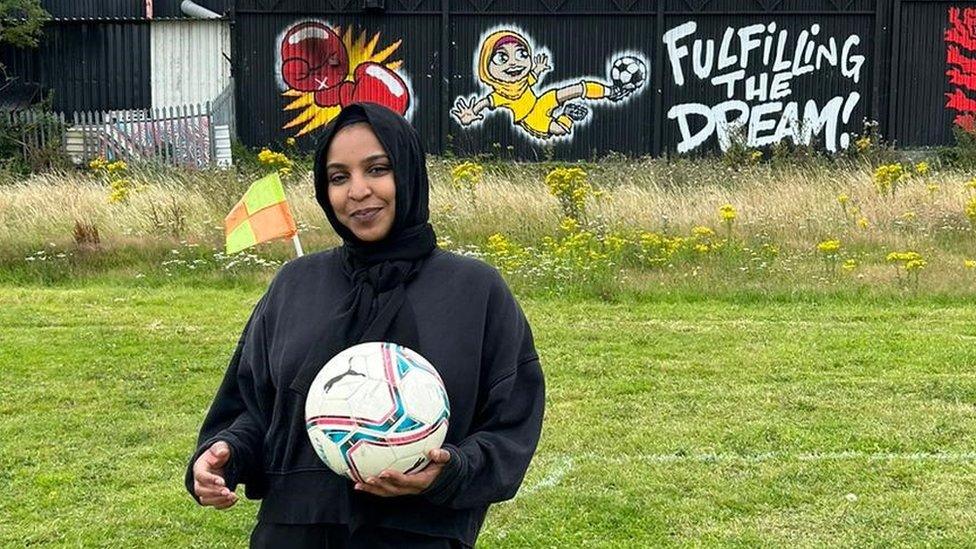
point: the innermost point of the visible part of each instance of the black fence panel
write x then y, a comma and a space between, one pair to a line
567, 78
167, 9
95, 9
288, 89
763, 79
566, 101
934, 86
87, 64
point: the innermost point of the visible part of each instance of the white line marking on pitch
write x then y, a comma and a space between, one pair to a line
565, 463
774, 456
562, 468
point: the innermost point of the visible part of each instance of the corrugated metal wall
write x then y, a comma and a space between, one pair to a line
125, 9
171, 8
88, 64
883, 59
258, 79
581, 39
188, 61
95, 9
920, 86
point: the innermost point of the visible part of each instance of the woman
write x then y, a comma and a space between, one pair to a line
387, 282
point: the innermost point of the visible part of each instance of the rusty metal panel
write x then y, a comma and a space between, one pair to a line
87, 65
293, 73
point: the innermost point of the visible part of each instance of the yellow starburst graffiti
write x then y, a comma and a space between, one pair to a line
313, 116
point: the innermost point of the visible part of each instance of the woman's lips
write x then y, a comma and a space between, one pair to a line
366, 215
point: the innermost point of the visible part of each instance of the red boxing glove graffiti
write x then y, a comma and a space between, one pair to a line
377, 84
961, 57
314, 59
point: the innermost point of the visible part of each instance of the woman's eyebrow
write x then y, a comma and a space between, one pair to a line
377, 156
367, 160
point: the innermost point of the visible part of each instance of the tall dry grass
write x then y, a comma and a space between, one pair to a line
793, 206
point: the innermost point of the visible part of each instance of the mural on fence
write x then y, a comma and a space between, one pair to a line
960, 40
510, 66
754, 67
322, 68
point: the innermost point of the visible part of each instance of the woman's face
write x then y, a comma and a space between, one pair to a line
361, 186
509, 62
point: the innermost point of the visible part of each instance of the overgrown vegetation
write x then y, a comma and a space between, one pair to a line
605, 228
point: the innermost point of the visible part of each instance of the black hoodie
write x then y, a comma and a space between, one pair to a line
461, 317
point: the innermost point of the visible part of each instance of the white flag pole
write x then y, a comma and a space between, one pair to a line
298, 245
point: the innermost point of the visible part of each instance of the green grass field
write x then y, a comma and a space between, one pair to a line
738, 421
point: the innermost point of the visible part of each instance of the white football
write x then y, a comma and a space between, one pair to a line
376, 406
628, 73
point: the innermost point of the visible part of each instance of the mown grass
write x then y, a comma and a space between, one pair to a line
672, 420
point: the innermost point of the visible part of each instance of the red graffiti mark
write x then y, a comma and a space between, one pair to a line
337, 69
960, 40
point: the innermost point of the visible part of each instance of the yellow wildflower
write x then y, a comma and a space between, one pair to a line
849, 265
569, 225
915, 265
969, 263
887, 177
971, 210
843, 199
932, 188
904, 257
829, 247
701, 248
702, 232
922, 168
909, 216
117, 166
571, 188
98, 164
862, 223
290, 141
727, 213
863, 144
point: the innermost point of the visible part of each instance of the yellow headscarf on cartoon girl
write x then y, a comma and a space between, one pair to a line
510, 90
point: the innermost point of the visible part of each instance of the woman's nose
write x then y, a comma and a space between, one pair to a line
359, 188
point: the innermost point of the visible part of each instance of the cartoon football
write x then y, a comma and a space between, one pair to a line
628, 73
376, 406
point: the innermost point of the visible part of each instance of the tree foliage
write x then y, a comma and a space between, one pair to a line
21, 22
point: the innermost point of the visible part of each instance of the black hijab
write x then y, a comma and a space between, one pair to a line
376, 308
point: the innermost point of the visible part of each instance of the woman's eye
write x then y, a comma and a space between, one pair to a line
500, 58
337, 179
521, 53
379, 169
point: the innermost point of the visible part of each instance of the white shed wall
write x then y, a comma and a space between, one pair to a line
188, 63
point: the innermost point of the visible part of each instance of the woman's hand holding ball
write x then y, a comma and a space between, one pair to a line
394, 483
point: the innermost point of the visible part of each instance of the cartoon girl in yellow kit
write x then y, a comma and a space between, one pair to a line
505, 65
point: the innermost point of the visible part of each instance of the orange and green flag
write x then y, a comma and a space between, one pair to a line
261, 215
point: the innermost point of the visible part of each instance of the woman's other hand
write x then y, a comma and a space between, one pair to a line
208, 477
393, 483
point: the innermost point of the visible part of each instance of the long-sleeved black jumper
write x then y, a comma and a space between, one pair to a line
470, 328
